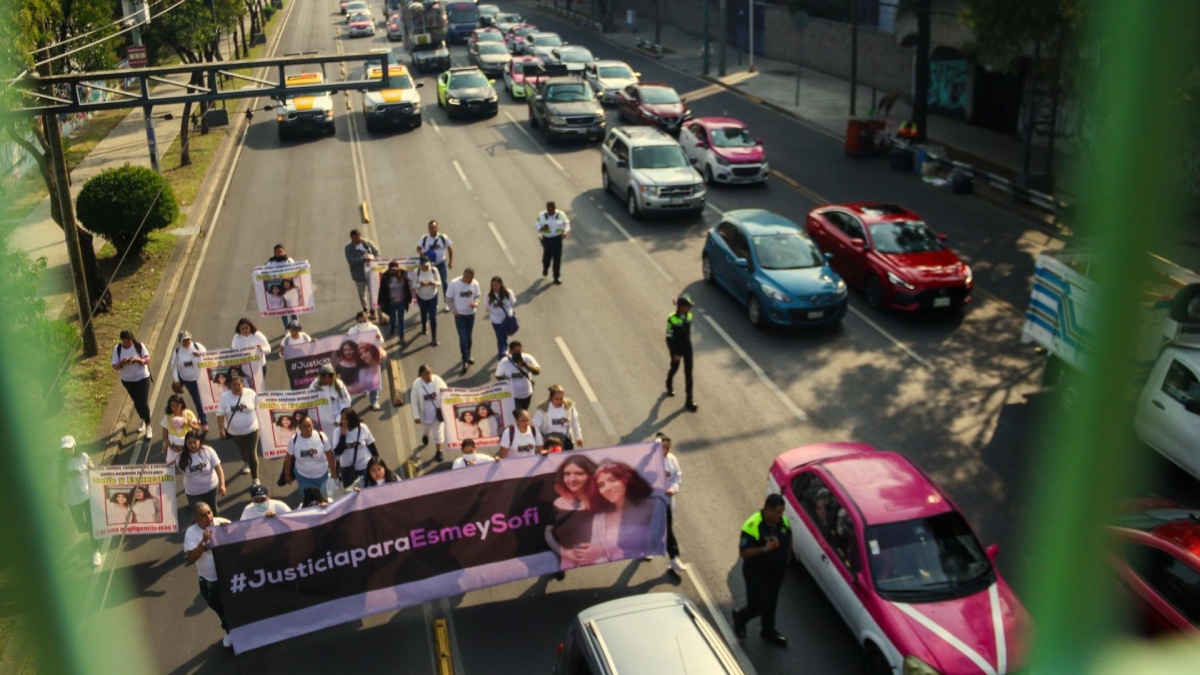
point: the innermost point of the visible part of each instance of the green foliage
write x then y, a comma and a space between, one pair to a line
1005, 29
125, 204
268, 12
192, 29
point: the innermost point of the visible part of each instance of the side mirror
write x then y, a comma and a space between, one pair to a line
992, 551
742, 263
858, 243
420, 84
489, 82
622, 164
942, 236
637, 74
828, 257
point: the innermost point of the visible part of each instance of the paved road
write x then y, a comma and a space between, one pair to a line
945, 390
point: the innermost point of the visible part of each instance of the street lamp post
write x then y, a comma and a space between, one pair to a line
751, 33
704, 57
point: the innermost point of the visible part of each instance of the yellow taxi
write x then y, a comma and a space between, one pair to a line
305, 114
399, 106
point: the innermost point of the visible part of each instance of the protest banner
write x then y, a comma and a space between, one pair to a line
133, 499
480, 413
279, 415
215, 368
375, 269
356, 358
440, 535
284, 289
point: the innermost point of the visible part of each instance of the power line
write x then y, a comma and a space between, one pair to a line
104, 39
90, 32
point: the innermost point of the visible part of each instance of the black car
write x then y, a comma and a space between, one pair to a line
467, 91
491, 57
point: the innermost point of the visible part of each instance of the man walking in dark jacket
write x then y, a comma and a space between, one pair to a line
358, 252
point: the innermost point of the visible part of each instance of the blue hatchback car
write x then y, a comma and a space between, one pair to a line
769, 264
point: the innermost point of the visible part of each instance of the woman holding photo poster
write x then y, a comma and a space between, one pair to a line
570, 536
176, 422
629, 512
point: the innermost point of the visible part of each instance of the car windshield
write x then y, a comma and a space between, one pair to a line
524, 30
492, 48
489, 36
733, 137
397, 81
527, 67
786, 251
468, 81
659, 95
360, 17
576, 56
904, 237
356, 7
615, 72
658, 157
932, 557
568, 92
547, 40
462, 12
509, 18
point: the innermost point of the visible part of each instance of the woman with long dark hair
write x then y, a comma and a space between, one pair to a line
500, 303
131, 359
395, 295
144, 505
354, 445
246, 334
570, 535
203, 477
628, 512
176, 422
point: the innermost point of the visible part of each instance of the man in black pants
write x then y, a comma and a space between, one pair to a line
552, 227
679, 344
765, 549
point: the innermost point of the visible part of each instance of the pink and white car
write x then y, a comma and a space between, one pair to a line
522, 75
515, 37
899, 562
724, 150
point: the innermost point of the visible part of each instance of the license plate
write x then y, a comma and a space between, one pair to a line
816, 315
941, 302
675, 202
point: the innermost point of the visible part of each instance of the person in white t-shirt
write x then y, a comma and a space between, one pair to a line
237, 417
674, 480
310, 461
519, 369
262, 506
426, 401
72, 471
197, 541
521, 439
354, 446
440, 251
246, 334
500, 304
463, 295
364, 326
427, 281
471, 457
558, 415
336, 396
176, 422
186, 374
203, 477
131, 359
295, 336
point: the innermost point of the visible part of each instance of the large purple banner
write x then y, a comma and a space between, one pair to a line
402, 544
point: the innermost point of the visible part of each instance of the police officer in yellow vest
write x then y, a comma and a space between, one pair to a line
766, 550
679, 344
552, 227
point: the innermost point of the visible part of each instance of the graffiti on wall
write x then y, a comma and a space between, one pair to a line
948, 87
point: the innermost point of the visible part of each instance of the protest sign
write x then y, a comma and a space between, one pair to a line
437, 536
479, 413
215, 367
279, 415
133, 499
284, 289
356, 358
375, 269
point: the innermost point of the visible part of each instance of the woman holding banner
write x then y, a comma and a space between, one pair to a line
354, 445
71, 470
310, 461
520, 439
246, 334
629, 512
336, 395
176, 422
570, 536
203, 477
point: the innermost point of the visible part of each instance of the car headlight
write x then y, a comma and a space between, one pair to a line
279, 118
649, 190
698, 188
969, 277
774, 293
369, 108
897, 281
766, 167
417, 107
558, 121
915, 666
720, 160
839, 288
450, 100
687, 115
493, 98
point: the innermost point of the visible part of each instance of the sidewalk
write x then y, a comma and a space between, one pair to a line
38, 234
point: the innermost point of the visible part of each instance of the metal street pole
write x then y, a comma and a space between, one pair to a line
853, 58
704, 59
721, 37
148, 121
66, 207
751, 32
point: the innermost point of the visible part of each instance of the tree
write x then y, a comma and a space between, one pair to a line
37, 28
125, 204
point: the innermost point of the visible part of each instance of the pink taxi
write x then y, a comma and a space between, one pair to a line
899, 562
522, 75
724, 150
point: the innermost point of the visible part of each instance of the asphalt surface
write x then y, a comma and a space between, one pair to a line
946, 390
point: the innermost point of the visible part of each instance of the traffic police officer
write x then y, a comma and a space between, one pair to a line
765, 549
552, 227
679, 344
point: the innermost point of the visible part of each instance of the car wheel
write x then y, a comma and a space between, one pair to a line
706, 269
754, 312
605, 182
549, 136
708, 176
370, 127
632, 205
874, 292
877, 663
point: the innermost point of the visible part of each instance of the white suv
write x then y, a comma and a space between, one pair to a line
649, 170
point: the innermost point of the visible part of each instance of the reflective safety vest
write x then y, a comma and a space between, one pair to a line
750, 527
908, 129
684, 323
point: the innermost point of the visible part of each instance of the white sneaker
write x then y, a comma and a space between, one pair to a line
648, 558
149, 432
375, 406
256, 482
226, 642
245, 470
142, 428
676, 564
97, 559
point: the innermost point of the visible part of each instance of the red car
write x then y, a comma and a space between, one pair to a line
890, 253
654, 104
1158, 564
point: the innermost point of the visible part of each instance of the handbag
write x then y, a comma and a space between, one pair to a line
511, 325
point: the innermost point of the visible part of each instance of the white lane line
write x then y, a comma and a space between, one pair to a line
436, 129
644, 252
503, 246
517, 125
722, 625
461, 174
712, 206
893, 339
587, 388
556, 164
762, 375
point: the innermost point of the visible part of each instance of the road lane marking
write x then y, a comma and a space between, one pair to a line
762, 375
503, 246
517, 125
436, 129
644, 252
798, 187
461, 174
891, 338
587, 389
722, 625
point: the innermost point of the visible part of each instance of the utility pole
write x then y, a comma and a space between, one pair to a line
751, 34
147, 111
853, 57
721, 37
920, 108
704, 57
66, 208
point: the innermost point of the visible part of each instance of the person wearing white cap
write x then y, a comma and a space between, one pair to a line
295, 336
337, 398
185, 374
72, 472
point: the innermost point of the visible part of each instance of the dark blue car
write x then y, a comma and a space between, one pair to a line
770, 265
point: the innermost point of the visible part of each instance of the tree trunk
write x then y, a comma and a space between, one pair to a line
241, 27
920, 105
100, 296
